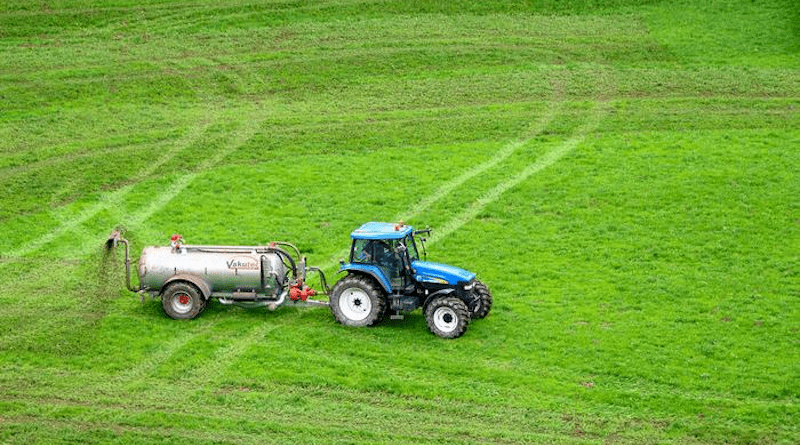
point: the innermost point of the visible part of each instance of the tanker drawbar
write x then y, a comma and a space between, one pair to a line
188, 276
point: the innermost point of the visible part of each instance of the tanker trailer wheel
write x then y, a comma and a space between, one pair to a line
448, 317
483, 304
182, 301
357, 301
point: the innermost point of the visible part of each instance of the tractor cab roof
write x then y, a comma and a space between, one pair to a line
381, 230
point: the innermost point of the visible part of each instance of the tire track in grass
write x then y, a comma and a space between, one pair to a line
225, 357
540, 164
239, 138
112, 199
8, 172
22, 322
148, 366
504, 153
22, 389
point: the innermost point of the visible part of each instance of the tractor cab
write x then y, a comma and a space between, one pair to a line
389, 254
388, 250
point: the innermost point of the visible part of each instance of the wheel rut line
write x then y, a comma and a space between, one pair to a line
8, 172
536, 128
224, 358
109, 200
540, 164
254, 435
504, 153
113, 200
147, 367
146, 430
430, 424
241, 137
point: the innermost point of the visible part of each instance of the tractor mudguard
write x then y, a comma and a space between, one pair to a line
438, 293
373, 271
198, 282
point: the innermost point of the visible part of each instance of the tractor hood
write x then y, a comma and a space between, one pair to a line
427, 272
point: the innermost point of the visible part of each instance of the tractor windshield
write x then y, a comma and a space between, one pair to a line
412, 248
372, 251
383, 252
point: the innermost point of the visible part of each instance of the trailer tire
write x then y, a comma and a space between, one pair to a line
447, 317
357, 301
182, 301
483, 303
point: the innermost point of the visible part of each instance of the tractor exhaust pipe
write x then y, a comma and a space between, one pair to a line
112, 241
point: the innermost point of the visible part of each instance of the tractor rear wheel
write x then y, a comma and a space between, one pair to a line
483, 304
447, 317
182, 301
357, 301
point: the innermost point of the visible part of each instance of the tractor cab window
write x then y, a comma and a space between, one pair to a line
377, 252
380, 253
412, 248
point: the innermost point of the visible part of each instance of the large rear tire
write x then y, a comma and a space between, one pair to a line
357, 301
447, 317
483, 304
182, 301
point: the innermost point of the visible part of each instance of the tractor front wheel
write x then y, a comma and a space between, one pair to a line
483, 303
448, 317
357, 301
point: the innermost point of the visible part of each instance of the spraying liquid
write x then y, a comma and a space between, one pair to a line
109, 271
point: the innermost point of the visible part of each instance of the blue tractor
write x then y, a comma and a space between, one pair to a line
385, 275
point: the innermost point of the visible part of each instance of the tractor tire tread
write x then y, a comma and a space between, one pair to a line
486, 300
458, 307
376, 296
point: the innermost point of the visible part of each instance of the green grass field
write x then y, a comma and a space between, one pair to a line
623, 174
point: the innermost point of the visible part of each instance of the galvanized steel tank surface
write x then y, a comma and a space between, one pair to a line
224, 269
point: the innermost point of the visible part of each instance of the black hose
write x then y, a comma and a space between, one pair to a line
282, 253
322, 281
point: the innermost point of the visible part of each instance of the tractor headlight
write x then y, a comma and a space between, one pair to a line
468, 287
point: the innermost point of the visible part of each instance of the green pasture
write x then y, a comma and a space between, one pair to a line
622, 174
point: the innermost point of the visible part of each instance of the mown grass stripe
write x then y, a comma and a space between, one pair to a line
540, 164
110, 200
145, 368
503, 154
552, 109
214, 369
252, 121
265, 411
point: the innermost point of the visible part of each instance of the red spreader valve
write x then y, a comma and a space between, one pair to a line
299, 291
175, 241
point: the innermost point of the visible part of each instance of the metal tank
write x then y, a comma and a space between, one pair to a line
186, 277
237, 272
